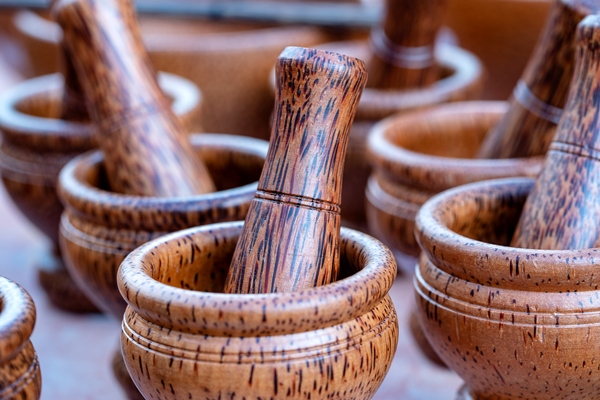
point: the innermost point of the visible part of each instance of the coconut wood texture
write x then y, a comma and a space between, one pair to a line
290, 239
563, 211
99, 228
36, 144
20, 376
513, 323
145, 145
183, 338
403, 45
541, 93
420, 154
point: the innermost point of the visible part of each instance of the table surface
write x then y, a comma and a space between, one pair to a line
75, 350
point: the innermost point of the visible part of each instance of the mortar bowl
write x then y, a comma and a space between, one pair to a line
183, 338
20, 376
514, 323
99, 228
419, 154
36, 145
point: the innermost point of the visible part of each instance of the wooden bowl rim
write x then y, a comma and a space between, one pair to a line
17, 318
322, 306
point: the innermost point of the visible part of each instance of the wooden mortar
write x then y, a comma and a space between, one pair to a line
230, 61
183, 338
417, 155
36, 145
460, 79
514, 323
20, 376
99, 228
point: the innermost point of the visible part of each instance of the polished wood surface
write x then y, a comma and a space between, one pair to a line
56, 337
291, 236
514, 323
146, 147
562, 211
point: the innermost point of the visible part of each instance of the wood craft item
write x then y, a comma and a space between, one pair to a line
562, 211
420, 154
146, 149
540, 95
36, 144
20, 376
183, 337
291, 234
403, 45
513, 323
99, 228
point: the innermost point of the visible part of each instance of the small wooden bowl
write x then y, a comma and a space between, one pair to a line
229, 61
36, 145
99, 228
417, 155
462, 80
182, 335
512, 322
20, 376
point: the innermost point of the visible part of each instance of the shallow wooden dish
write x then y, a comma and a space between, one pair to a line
334, 341
229, 61
99, 228
36, 145
20, 376
461, 80
417, 155
512, 322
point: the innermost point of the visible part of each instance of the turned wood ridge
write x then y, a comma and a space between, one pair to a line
403, 45
146, 149
562, 211
540, 95
290, 239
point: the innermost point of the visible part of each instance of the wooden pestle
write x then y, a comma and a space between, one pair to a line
403, 45
146, 149
538, 99
73, 105
290, 239
562, 211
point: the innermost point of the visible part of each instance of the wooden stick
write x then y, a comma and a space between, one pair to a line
540, 95
562, 211
146, 149
290, 238
403, 46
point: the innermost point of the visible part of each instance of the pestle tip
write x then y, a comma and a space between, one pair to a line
588, 33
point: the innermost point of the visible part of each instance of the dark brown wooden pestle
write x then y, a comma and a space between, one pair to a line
403, 45
146, 149
74, 105
291, 234
562, 211
541, 93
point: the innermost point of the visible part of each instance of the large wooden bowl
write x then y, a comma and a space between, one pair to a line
182, 337
514, 323
36, 145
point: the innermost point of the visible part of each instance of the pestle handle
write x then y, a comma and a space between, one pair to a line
402, 46
540, 95
290, 240
73, 104
146, 149
562, 211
